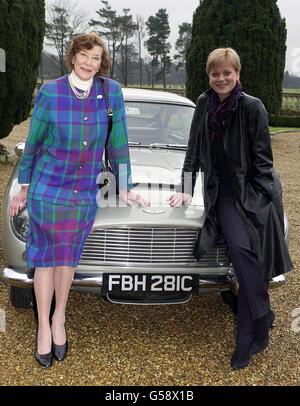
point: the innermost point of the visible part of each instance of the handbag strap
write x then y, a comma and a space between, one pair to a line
109, 116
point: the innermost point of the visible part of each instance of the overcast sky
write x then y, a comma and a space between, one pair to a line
182, 10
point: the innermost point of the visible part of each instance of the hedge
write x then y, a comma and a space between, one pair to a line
285, 121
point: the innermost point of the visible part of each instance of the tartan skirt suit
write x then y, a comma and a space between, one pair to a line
61, 161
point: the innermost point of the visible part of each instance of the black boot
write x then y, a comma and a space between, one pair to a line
241, 357
262, 329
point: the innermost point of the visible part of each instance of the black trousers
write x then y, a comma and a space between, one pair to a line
253, 301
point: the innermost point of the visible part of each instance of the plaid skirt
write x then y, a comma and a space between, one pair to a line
57, 233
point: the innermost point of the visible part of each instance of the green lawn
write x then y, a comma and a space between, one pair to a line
282, 129
158, 86
291, 90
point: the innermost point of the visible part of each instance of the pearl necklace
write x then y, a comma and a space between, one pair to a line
84, 85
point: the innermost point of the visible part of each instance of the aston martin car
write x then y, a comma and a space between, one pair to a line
137, 255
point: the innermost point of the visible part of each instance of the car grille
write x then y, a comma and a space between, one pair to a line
147, 246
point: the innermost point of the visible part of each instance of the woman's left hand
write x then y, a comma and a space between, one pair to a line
132, 197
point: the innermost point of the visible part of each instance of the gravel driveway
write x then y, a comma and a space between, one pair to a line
187, 344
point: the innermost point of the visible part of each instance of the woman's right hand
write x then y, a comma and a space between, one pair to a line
19, 201
179, 199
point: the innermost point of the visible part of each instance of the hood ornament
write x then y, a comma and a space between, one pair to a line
152, 211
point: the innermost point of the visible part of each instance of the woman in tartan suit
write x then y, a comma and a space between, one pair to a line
57, 173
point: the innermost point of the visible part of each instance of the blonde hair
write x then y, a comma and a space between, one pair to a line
88, 41
221, 56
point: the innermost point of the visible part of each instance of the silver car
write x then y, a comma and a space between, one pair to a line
140, 255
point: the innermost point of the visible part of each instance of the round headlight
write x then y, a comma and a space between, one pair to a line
20, 224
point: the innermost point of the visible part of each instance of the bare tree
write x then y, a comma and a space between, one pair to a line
140, 34
148, 69
127, 50
64, 21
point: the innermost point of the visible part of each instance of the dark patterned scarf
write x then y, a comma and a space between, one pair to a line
218, 111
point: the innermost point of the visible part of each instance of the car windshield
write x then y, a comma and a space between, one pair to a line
158, 124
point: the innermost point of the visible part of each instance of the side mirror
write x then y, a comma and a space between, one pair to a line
19, 148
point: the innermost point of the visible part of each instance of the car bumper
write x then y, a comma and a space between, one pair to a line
207, 283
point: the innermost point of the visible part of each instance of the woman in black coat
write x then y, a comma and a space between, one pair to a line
230, 143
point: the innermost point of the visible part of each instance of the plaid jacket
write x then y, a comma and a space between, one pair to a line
64, 148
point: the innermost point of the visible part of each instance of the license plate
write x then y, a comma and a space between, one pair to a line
149, 283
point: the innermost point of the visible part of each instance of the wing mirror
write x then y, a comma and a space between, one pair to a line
19, 148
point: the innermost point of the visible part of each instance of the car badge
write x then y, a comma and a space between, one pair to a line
153, 211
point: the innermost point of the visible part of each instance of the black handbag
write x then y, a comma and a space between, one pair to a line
107, 170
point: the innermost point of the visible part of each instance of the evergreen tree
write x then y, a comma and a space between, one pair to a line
291, 81
256, 30
110, 25
58, 32
22, 27
182, 44
127, 50
159, 30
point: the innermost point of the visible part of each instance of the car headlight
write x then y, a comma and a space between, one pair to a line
20, 224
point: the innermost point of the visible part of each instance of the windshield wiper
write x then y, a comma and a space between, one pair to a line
157, 145
132, 144
171, 146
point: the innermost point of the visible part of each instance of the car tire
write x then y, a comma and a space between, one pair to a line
21, 298
231, 300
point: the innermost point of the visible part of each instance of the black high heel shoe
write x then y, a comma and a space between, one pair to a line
60, 351
45, 360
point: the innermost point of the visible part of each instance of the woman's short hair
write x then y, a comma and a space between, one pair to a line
88, 41
221, 56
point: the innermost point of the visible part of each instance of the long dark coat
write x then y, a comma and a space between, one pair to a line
255, 185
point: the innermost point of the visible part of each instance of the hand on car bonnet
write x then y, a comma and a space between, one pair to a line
18, 202
130, 197
179, 199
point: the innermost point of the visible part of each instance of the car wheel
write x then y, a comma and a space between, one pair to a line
21, 298
231, 300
